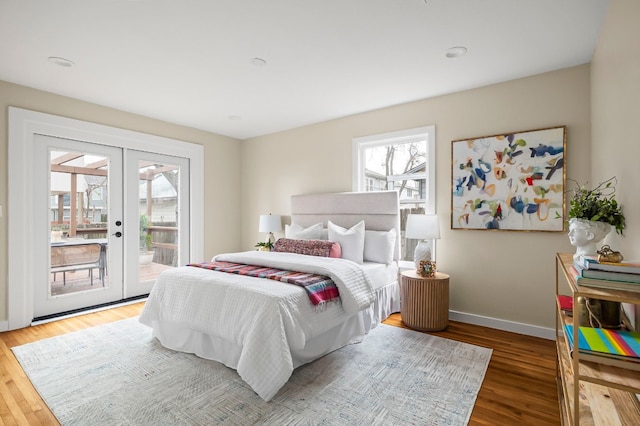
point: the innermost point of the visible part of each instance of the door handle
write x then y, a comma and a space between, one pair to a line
118, 234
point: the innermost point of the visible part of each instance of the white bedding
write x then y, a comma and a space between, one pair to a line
262, 321
355, 286
380, 274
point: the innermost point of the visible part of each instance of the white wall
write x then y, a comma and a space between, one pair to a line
615, 119
504, 275
615, 115
222, 165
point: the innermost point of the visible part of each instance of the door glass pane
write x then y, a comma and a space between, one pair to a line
158, 209
78, 216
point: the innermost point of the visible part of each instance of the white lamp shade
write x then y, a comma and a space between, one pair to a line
422, 227
270, 223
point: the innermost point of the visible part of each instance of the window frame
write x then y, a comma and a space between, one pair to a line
359, 180
428, 133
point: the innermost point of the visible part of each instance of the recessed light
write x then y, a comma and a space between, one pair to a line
455, 52
63, 62
258, 62
235, 117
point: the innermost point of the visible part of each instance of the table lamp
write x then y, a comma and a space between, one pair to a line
270, 223
424, 227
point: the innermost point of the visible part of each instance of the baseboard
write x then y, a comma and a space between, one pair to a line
4, 326
89, 310
499, 324
514, 327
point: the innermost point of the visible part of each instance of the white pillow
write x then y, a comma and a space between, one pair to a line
379, 246
351, 240
297, 232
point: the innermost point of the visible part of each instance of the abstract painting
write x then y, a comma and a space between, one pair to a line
511, 181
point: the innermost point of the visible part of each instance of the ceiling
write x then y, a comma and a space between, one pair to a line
192, 62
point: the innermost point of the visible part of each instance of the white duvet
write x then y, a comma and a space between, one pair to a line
265, 319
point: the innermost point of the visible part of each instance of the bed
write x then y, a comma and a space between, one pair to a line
265, 328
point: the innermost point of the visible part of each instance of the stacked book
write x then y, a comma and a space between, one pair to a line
566, 304
587, 271
613, 347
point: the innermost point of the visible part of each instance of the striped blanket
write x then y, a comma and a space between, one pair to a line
320, 289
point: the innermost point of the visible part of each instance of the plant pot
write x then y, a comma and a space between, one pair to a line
586, 236
146, 257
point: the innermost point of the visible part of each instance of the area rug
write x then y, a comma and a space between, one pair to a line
118, 374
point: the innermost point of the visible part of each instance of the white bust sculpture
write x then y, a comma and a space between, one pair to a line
585, 236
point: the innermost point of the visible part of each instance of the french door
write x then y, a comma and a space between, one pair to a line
107, 220
157, 217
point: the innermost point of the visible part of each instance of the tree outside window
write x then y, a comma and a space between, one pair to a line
401, 161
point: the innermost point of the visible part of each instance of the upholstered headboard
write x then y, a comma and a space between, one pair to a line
380, 210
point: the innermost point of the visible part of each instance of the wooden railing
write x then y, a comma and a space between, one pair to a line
164, 241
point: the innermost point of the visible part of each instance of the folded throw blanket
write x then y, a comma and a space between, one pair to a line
320, 289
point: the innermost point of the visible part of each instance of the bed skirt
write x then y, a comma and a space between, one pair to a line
177, 337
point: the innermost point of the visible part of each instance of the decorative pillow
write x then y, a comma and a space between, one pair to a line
297, 232
321, 248
351, 240
379, 246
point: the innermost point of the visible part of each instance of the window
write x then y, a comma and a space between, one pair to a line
403, 161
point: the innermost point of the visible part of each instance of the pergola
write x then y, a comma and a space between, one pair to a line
74, 164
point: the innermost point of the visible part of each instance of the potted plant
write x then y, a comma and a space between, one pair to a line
56, 233
146, 247
264, 246
598, 204
592, 214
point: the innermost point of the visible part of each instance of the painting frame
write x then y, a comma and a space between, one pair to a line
512, 181
427, 268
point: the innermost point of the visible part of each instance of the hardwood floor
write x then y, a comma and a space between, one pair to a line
518, 389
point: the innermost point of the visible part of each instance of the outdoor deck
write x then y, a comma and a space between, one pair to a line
80, 280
